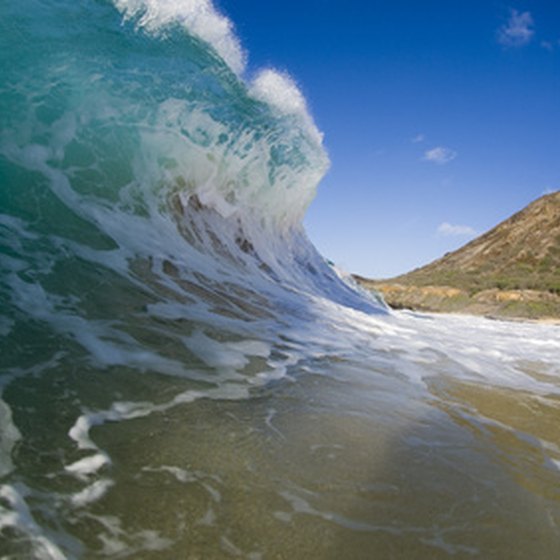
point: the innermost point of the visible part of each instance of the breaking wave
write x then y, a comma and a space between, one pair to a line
155, 279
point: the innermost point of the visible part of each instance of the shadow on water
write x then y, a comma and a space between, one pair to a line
402, 475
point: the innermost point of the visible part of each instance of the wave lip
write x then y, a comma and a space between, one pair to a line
279, 90
199, 17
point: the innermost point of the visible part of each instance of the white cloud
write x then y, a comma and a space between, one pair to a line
518, 31
551, 45
448, 230
418, 138
440, 155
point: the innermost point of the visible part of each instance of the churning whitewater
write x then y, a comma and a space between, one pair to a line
182, 375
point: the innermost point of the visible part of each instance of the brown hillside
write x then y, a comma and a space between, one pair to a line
513, 270
523, 252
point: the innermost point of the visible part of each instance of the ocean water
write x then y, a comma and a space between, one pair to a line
182, 375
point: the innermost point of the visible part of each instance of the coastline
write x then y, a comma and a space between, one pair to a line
531, 306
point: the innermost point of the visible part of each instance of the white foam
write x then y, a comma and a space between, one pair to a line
234, 180
106, 345
200, 17
279, 90
88, 465
180, 474
120, 411
9, 436
79, 432
234, 355
19, 518
251, 347
119, 543
91, 493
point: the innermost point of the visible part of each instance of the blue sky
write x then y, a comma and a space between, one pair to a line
440, 118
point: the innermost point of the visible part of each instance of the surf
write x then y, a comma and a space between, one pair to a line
179, 365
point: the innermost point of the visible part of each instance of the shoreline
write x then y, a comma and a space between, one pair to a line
530, 306
552, 321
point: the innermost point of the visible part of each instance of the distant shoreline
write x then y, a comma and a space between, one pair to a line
506, 305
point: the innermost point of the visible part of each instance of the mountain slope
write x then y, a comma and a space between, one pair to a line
512, 270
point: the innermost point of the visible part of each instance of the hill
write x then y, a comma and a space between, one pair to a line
513, 270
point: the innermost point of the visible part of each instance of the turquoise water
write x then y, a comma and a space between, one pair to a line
182, 375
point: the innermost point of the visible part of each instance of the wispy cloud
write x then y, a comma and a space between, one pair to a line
446, 229
418, 138
440, 155
551, 46
518, 30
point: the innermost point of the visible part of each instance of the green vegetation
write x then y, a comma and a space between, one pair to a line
543, 277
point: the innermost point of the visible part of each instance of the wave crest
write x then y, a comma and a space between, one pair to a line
199, 17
